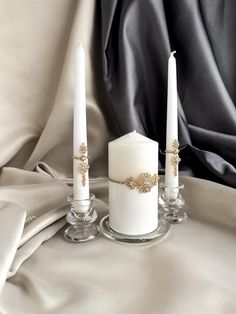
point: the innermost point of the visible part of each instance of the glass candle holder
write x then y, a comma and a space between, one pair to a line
81, 217
172, 203
159, 233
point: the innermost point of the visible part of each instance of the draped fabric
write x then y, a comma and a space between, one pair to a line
37, 86
192, 270
127, 44
137, 38
38, 40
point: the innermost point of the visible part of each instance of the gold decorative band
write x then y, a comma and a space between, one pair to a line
175, 160
143, 183
170, 151
83, 166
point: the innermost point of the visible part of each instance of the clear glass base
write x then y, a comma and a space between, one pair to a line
159, 233
81, 234
172, 204
175, 218
81, 217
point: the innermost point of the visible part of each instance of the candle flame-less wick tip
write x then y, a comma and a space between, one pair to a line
80, 44
132, 133
173, 52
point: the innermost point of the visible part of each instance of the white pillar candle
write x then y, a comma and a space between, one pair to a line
80, 161
133, 212
171, 168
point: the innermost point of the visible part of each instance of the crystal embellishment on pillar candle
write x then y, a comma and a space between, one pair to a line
130, 183
143, 183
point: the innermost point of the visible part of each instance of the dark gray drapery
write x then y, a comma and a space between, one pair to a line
137, 38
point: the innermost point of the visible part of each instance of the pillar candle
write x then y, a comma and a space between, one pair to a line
133, 168
80, 155
171, 168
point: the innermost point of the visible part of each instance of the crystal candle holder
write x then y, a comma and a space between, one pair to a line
81, 217
172, 203
159, 233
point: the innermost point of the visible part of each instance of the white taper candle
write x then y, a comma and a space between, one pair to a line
81, 178
171, 172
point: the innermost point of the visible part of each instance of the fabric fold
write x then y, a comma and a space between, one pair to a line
42, 222
27, 249
12, 219
135, 76
45, 202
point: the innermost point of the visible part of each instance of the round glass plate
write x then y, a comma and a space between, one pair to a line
159, 233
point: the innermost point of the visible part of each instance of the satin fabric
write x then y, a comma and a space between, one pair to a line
190, 271
37, 86
38, 41
137, 38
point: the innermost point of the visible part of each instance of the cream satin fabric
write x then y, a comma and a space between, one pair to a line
191, 271
38, 41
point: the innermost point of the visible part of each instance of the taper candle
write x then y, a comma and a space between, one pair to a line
80, 154
133, 191
172, 158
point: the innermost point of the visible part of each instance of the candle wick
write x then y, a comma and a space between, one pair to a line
172, 53
132, 133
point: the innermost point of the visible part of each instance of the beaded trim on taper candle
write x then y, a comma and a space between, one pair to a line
143, 183
175, 159
83, 166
